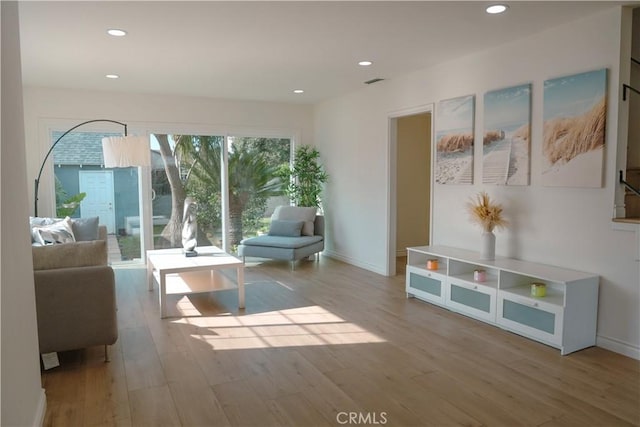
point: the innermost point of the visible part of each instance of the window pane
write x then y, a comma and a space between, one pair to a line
254, 188
185, 165
84, 189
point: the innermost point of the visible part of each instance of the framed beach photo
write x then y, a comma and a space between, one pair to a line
506, 142
454, 140
575, 112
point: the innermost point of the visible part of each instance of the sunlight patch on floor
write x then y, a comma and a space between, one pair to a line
304, 326
186, 308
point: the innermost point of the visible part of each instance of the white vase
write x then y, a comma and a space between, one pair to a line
488, 248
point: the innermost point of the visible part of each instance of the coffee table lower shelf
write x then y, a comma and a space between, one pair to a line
194, 282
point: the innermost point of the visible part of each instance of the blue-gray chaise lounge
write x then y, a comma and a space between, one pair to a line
294, 233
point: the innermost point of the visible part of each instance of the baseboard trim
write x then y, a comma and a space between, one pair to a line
352, 261
38, 419
618, 346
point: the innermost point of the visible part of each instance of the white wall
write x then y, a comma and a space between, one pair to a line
23, 399
568, 227
46, 107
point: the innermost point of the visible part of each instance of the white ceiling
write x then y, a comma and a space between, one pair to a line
262, 50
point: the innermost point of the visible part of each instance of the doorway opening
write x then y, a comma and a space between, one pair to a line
411, 184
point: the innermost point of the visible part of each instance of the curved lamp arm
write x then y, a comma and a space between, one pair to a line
37, 182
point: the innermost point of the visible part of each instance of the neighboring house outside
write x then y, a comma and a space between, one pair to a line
112, 194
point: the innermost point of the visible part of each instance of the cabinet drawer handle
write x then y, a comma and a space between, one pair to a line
526, 302
468, 286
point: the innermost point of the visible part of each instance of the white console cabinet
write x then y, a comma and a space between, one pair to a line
564, 318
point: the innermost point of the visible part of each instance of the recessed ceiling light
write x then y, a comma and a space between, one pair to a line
365, 63
112, 76
116, 32
496, 8
298, 91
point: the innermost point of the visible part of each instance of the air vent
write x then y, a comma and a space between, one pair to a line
368, 82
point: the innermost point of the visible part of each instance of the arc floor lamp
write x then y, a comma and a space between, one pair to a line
118, 152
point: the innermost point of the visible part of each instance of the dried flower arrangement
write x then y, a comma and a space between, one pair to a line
485, 213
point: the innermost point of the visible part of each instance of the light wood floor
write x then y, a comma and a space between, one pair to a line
319, 343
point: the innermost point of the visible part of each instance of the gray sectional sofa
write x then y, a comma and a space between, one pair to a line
75, 295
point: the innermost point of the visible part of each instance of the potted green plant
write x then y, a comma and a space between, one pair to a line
65, 205
304, 178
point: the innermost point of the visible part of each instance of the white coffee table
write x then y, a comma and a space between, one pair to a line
178, 274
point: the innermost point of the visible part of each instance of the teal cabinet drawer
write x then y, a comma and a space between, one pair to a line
425, 284
472, 299
531, 318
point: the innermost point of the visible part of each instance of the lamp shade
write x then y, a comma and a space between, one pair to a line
123, 152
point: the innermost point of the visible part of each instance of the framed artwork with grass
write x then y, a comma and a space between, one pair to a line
574, 115
454, 140
506, 140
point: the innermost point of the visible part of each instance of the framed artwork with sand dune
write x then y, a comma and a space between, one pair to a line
506, 140
454, 140
574, 115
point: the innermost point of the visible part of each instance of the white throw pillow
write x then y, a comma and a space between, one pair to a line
36, 221
58, 232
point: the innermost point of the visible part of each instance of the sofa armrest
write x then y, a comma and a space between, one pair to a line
318, 225
102, 232
76, 308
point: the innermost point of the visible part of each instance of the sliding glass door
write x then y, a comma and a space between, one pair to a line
84, 188
254, 186
232, 179
186, 166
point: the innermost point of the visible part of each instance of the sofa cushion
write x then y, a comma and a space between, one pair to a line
36, 221
78, 254
281, 241
57, 232
85, 229
284, 227
297, 213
